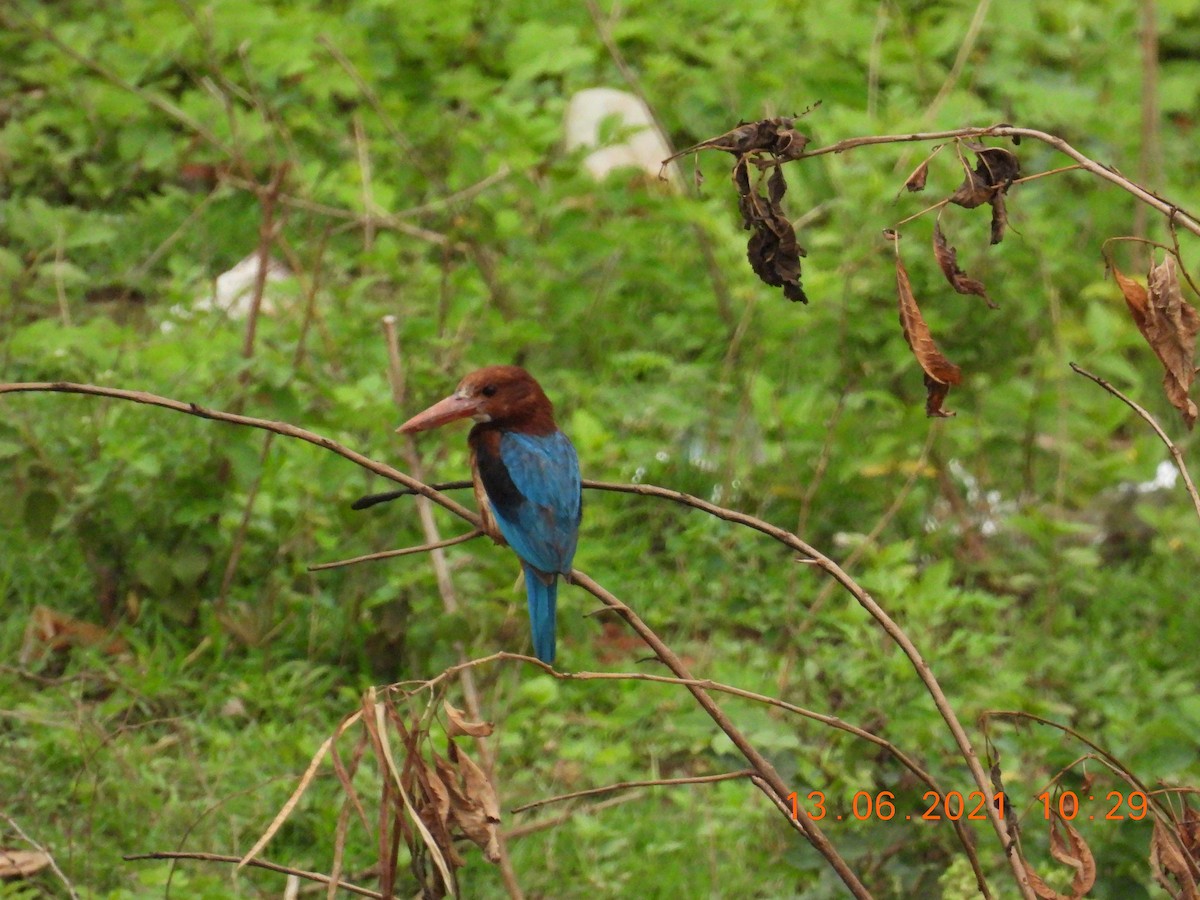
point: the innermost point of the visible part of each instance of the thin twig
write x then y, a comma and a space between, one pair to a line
1175, 452
884, 520
216, 415
268, 231
11, 822
257, 864
520, 831
628, 785
1174, 212
406, 551
960, 60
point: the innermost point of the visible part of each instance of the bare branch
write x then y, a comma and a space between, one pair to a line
1176, 455
628, 785
1175, 214
258, 864
11, 822
406, 551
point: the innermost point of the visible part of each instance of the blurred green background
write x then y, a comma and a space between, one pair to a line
1012, 542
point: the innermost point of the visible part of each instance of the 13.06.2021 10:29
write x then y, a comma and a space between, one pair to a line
954, 805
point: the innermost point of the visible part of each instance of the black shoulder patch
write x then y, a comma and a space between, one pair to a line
505, 497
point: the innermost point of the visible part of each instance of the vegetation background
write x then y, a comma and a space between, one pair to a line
1012, 542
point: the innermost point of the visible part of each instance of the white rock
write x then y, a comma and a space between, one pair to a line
643, 149
233, 291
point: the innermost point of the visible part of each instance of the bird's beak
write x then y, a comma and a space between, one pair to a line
448, 410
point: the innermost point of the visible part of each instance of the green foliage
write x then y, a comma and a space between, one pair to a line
1016, 552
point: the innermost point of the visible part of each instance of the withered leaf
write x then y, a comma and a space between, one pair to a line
947, 259
476, 784
916, 181
1169, 324
776, 136
999, 218
776, 186
995, 170
772, 249
940, 373
437, 791
459, 724
479, 812
1071, 851
22, 863
1167, 861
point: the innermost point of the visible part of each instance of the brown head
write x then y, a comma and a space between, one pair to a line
505, 397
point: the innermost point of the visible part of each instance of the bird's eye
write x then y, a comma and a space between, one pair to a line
489, 390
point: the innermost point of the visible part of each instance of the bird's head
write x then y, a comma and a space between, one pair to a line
504, 396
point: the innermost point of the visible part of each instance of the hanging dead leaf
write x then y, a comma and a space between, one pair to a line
478, 813
999, 218
772, 249
460, 726
1071, 851
22, 863
916, 181
776, 136
995, 170
947, 259
1169, 324
940, 373
1169, 866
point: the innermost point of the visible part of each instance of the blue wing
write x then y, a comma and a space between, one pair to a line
540, 518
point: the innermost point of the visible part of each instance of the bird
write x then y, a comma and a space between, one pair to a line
526, 477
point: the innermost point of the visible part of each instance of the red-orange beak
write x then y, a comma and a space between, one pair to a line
448, 410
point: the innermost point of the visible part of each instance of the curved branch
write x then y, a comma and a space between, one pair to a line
257, 864
405, 551
1174, 213
1175, 452
216, 415
894, 631
629, 785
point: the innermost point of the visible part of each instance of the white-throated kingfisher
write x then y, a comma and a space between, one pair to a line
526, 478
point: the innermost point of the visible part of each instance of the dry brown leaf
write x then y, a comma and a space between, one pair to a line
772, 250
51, 631
995, 171
1071, 851
776, 136
476, 783
999, 218
480, 813
460, 726
940, 373
438, 792
1169, 324
996, 168
22, 863
947, 260
1167, 861
916, 181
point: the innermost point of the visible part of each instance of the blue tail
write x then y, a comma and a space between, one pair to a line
542, 600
